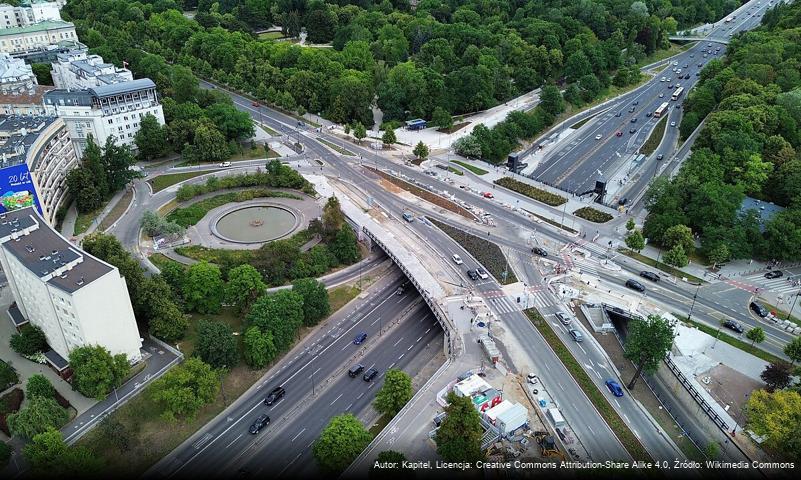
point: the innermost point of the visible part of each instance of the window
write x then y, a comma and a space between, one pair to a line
110, 121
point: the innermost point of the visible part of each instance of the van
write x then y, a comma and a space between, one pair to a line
355, 370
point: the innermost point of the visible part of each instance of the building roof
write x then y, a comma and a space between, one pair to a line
57, 361
36, 27
28, 97
16, 316
75, 98
765, 210
124, 87
12, 69
45, 252
17, 134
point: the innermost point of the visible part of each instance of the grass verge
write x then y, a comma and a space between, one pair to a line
531, 191
337, 148
610, 416
487, 253
661, 266
593, 215
159, 260
581, 123
474, 169
734, 342
193, 213
84, 220
339, 296
169, 179
254, 153
658, 55
655, 138
117, 211
456, 171
269, 130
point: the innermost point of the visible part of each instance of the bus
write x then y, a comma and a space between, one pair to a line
677, 93
661, 110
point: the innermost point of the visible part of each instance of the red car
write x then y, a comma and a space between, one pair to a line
488, 195
619, 134
256, 104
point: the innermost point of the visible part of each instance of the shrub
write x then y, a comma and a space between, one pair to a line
8, 376
277, 175
9, 403
39, 386
29, 341
531, 191
593, 215
191, 214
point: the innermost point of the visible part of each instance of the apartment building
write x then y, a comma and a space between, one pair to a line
29, 12
77, 70
15, 75
37, 36
75, 298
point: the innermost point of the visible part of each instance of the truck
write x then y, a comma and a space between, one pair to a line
408, 216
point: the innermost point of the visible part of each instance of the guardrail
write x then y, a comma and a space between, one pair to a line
705, 406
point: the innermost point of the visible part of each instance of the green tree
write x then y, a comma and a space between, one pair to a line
395, 393
389, 137
39, 386
259, 348
30, 341
793, 350
676, 257
42, 72
635, 241
679, 235
151, 138
203, 288
551, 100
209, 145
775, 415
344, 246
281, 314
420, 151
315, 300
245, 285
50, 457
185, 85
87, 195
359, 131
233, 123
468, 146
114, 432
333, 219
756, 335
185, 389
38, 414
96, 372
216, 344
647, 343
458, 438
342, 440
117, 161
719, 254
630, 225
441, 118
777, 375
168, 322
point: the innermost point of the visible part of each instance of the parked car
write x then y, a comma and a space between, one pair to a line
633, 120
732, 325
774, 274
563, 318
598, 137
650, 276
619, 134
532, 379
225, 164
635, 285
577, 336
355, 370
262, 421
457, 259
473, 275
759, 309
633, 130
482, 274
360, 338
369, 375
614, 387
540, 251
277, 394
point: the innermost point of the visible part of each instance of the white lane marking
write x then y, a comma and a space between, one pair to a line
335, 400
313, 373
234, 440
396, 343
402, 354
348, 407
296, 436
420, 337
360, 396
618, 403
410, 347
582, 349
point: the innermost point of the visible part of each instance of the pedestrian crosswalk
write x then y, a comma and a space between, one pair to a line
777, 285
503, 304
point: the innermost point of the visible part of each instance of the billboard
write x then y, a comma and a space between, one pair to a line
16, 189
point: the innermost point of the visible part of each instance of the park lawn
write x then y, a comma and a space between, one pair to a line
116, 212
271, 35
254, 153
474, 169
339, 296
84, 220
169, 179
227, 315
655, 138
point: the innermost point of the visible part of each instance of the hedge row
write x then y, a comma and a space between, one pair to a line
191, 214
531, 191
593, 215
277, 175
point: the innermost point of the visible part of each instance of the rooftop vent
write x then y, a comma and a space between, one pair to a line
29, 248
80, 282
64, 275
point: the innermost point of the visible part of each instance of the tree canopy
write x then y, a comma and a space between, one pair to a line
342, 440
183, 390
459, 436
96, 372
395, 393
647, 343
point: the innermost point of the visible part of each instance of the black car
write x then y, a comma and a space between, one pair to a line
633, 130
759, 309
355, 370
369, 375
260, 423
635, 285
636, 103
277, 394
732, 325
774, 274
618, 114
633, 120
539, 251
650, 276
648, 114
472, 274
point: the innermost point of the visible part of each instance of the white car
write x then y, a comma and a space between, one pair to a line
457, 259
598, 137
663, 79
225, 164
482, 274
672, 124
661, 95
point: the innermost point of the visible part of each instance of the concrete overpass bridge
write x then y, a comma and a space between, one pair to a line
698, 38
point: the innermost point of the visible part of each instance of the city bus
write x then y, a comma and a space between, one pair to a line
677, 93
661, 110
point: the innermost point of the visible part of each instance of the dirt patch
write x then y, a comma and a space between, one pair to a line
389, 186
729, 387
424, 194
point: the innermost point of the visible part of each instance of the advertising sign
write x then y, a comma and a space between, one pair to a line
16, 189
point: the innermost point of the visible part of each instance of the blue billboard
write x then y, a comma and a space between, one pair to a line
16, 189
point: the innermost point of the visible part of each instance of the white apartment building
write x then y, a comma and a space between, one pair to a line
104, 111
15, 75
77, 70
43, 145
38, 36
75, 298
29, 12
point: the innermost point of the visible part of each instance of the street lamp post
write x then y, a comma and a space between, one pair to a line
795, 298
222, 387
692, 307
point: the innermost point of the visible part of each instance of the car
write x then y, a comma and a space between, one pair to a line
670, 79
648, 114
662, 79
439, 418
473, 275
708, 44
532, 379
261, 421
360, 338
700, 65
705, 55
635, 285
300, 124
225, 164
598, 137
631, 109
488, 195
618, 114
672, 124
661, 95
675, 62
577, 336
715, 53
732, 325
697, 74
256, 104
619, 133
369, 375
633, 120
678, 71
670, 86
636, 103
614, 387
482, 274
539, 251
632, 130
355, 370
759, 309
774, 274
563, 318
457, 259
650, 276
673, 69
692, 55
402, 289
277, 394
